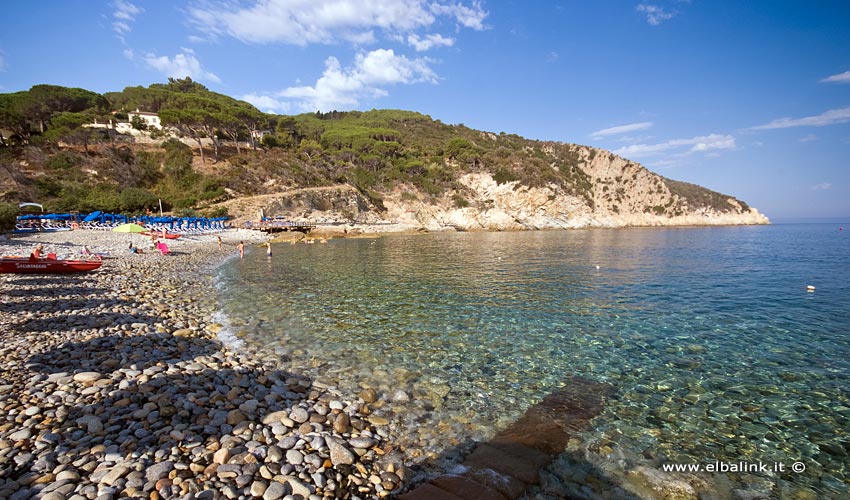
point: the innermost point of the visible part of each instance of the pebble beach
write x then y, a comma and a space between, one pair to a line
114, 384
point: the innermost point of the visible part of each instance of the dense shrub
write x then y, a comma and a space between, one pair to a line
61, 162
103, 197
460, 201
699, 197
503, 176
8, 214
178, 158
215, 212
270, 141
136, 200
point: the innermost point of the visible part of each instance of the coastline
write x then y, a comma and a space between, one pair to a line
368, 231
115, 384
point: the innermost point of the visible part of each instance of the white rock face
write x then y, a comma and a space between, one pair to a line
616, 193
512, 207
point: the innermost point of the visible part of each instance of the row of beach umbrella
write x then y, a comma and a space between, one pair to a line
103, 220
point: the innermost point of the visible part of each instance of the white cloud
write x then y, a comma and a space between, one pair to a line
712, 142
471, 17
423, 44
383, 66
362, 38
631, 139
808, 138
121, 27
664, 163
126, 10
268, 103
823, 186
342, 88
2, 61
839, 78
180, 66
831, 117
701, 144
303, 22
655, 15
621, 129
125, 13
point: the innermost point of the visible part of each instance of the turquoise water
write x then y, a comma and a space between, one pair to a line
713, 345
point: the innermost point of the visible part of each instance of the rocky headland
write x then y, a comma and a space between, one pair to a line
618, 193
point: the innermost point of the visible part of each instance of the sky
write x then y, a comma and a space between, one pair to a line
749, 98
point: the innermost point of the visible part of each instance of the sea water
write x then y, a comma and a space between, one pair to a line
716, 350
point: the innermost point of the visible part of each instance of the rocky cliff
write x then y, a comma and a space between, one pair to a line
614, 192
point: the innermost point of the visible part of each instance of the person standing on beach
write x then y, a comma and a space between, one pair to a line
219, 243
241, 248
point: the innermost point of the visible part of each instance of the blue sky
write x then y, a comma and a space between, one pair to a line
748, 98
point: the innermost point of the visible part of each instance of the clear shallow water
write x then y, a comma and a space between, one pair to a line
714, 347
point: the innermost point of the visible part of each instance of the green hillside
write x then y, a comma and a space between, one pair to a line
48, 155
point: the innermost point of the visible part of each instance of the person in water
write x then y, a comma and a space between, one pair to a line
269, 248
241, 248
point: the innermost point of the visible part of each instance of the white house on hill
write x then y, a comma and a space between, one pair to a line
259, 134
150, 119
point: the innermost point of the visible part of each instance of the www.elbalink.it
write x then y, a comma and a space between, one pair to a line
737, 467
